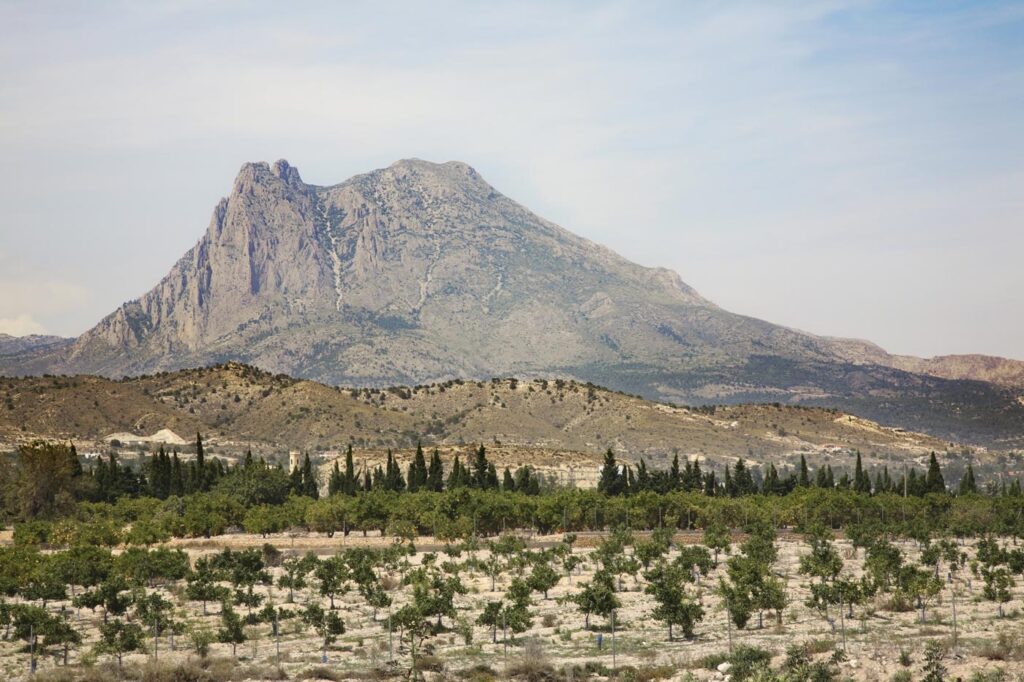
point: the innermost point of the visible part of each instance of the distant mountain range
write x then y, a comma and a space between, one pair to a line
423, 272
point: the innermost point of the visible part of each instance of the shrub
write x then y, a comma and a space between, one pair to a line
1006, 647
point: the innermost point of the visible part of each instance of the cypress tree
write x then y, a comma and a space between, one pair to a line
336, 483
696, 477
480, 468
455, 477
351, 481
435, 474
507, 483
967, 482
310, 484
177, 487
674, 475
73, 464
610, 482
418, 470
200, 482
805, 475
642, 478
861, 480
934, 483
710, 484
295, 481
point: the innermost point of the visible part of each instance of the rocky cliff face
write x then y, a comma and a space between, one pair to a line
422, 272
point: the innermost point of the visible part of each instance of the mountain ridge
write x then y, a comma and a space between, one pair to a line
422, 272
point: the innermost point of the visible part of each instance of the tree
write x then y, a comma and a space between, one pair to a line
804, 481
327, 624
968, 485
29, 622
597, 597
861, 479
417, 477
491, 617
611, 480
46, 479
675, 607
201, 481
113, 594
543, 578
933, 482
310, 484
231, 629
333, 575
998, 583
202, 584
716, 538
58, 631
155, 612
118, 637
295, 571
435, 473
336, 483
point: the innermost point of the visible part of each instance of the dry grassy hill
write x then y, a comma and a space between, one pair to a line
236, 406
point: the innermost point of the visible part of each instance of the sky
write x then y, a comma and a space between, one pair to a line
846, 168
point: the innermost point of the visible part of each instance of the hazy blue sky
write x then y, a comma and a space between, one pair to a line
848, 168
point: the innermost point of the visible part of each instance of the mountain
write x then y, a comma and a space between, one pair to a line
423, 272
19, 345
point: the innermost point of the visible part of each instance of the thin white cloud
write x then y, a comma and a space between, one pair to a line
22, 325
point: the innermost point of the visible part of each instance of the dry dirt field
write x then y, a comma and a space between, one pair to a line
875, 637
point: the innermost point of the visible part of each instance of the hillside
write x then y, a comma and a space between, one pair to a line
422, 273
239, 407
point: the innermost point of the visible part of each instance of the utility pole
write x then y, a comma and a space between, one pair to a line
613, 640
